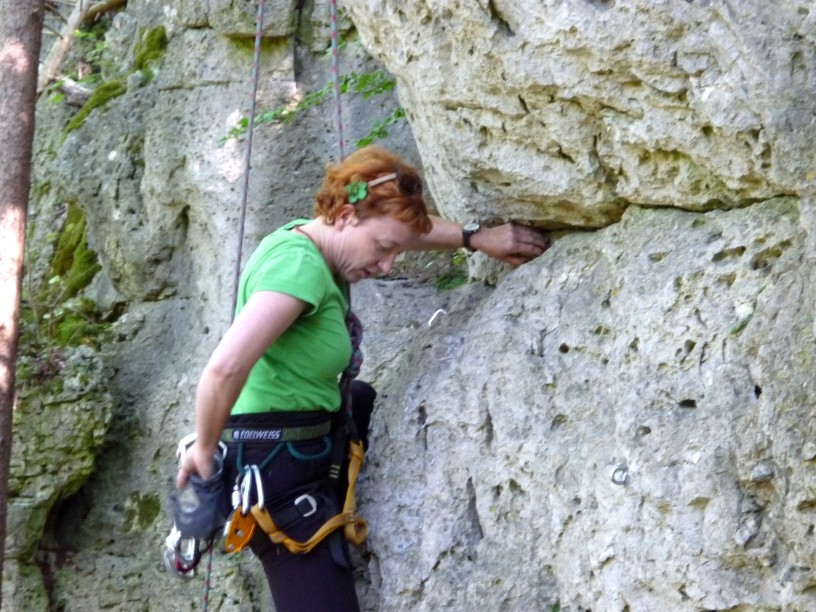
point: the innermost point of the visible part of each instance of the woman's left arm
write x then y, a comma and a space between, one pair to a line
266, 315
510, 243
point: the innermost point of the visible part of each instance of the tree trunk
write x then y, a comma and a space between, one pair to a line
20, 40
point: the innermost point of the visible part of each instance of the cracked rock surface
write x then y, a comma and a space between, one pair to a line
622, 424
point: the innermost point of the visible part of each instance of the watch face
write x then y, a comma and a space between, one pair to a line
471, 227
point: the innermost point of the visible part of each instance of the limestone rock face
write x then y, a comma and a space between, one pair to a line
625, 424
161, 188
58, 430
563, 113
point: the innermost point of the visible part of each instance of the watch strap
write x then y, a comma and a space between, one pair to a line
467, 232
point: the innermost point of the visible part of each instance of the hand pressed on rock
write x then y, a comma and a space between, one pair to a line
511, 243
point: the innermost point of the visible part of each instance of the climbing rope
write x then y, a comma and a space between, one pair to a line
338, 119
207, 576
354, 368
335, 70
256, 61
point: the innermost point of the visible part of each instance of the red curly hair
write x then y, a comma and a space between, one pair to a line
401, 198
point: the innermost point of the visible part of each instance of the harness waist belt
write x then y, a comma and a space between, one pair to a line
275, 434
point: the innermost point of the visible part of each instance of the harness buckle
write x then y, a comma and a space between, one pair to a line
311, 501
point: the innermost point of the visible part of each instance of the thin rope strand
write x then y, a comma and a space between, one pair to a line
335, 70
256, 61
206, 601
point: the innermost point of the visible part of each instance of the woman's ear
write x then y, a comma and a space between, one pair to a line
346, 216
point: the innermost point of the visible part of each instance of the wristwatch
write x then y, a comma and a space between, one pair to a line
467, 231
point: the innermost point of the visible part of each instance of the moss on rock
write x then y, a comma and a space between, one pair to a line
150, 49
56, 315
142, 510
101, 96
73, 261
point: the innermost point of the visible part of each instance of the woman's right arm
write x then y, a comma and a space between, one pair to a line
265, 316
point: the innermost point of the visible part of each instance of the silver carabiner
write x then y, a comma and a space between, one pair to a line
251, 472
259, 492
246, 486
187, 441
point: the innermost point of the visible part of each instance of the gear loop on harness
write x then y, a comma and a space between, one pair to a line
327, 448
355, 528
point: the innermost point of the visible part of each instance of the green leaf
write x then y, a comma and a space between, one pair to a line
367, 84
378, 130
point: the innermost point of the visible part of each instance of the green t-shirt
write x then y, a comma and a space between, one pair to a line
300, 370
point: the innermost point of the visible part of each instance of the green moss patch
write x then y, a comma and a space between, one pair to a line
73, 261
151, 48
451, 279
55, 314
101, 96
141, 511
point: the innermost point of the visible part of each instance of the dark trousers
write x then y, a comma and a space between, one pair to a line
321, 580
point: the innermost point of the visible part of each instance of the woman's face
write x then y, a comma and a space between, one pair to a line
368, 247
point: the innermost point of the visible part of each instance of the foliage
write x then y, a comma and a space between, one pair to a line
455, 276
366, 84
93, 61
54, 314
93, 57
379, 129
150, 49
448, 281
459, 257
100, 96
90, 58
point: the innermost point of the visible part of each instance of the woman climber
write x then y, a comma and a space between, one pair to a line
270, 390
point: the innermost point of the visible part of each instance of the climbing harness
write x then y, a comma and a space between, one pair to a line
354, 527
245, 516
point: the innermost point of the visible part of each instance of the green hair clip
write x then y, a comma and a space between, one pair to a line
357, 191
